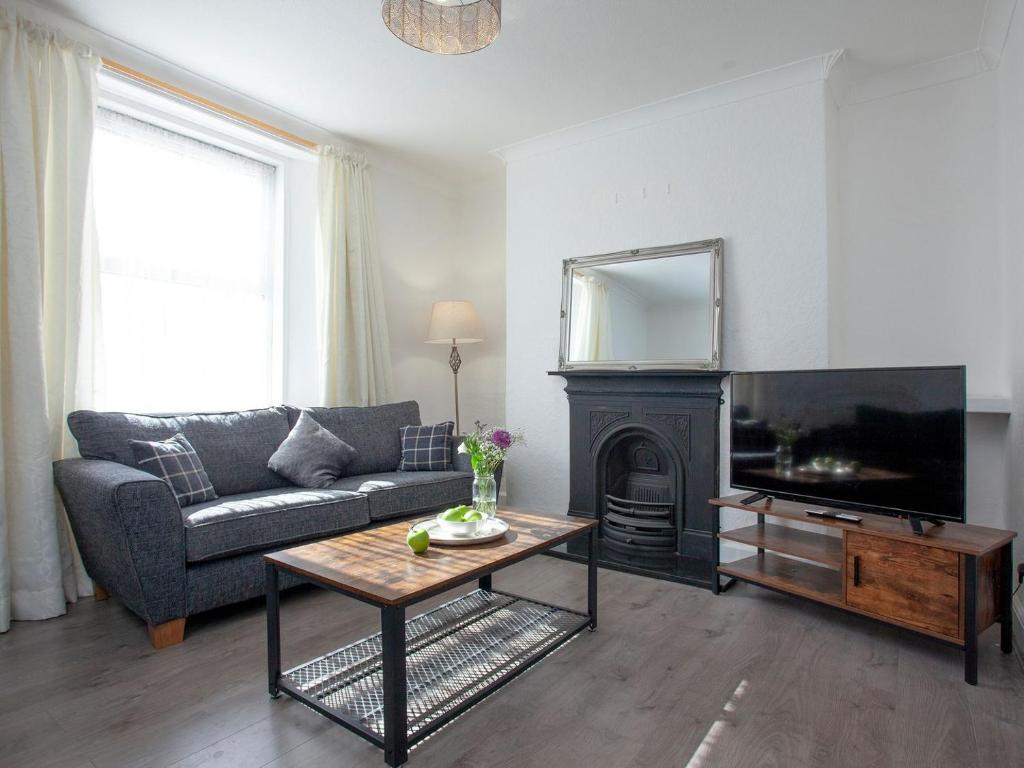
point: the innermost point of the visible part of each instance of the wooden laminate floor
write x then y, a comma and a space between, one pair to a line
673, 677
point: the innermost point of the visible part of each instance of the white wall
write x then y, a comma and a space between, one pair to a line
752, 171
479, 276
920, 275
1011, 241
920, 278
415, 230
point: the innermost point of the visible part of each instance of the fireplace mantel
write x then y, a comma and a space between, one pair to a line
672, 383
679, 412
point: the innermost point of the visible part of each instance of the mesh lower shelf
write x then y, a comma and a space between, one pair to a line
452, 653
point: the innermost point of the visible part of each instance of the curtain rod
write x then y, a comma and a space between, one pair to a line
210, 106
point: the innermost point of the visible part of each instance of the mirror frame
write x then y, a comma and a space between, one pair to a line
714, 363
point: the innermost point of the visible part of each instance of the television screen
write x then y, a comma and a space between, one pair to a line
885, 440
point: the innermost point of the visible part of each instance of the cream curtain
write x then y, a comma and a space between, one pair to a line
590, 328
355, 352
47, 102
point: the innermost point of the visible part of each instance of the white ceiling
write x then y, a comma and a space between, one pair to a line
556, 63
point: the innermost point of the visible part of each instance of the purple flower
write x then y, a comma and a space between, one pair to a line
502, 439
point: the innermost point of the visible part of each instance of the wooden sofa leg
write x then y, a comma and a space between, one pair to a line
167, 634
99, 593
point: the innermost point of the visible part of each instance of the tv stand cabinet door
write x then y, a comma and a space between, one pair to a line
908, 583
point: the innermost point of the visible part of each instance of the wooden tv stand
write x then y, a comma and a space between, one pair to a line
951, 583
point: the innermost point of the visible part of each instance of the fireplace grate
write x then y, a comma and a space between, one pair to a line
644, 518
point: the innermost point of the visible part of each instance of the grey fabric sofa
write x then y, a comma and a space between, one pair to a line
166, 563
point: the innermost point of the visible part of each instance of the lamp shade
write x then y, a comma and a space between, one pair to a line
444, 26
453, 321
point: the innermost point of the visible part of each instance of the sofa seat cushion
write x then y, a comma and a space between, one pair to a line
393, 494
276, 518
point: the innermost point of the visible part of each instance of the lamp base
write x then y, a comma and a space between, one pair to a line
455, 361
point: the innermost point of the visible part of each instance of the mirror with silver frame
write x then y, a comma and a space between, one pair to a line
652, 308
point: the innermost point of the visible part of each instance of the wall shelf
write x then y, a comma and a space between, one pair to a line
989, 404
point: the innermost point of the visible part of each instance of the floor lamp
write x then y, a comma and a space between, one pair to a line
454, 322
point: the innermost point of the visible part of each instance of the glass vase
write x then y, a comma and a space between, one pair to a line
485, 494
784, 460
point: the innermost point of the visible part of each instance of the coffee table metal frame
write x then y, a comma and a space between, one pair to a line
396, 739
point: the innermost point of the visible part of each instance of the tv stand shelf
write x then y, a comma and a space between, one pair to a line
827, 550
788, 575
951, 583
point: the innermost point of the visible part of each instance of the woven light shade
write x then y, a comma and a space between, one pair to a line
444, 26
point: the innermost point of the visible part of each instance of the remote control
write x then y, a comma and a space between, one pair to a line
846, 518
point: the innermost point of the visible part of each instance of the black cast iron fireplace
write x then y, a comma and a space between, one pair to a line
643, 459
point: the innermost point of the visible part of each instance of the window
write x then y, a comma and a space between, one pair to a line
187, 240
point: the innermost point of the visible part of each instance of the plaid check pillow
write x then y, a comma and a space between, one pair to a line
176, 462
427, 448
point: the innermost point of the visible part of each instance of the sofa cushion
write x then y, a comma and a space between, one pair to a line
311, 456
275, 518
372, 431
176, 462
393, 494
234, 447
427, 448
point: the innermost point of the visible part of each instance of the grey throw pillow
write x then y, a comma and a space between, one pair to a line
176, 462
311, 456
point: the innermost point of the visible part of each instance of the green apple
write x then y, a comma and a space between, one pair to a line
456, 514
418, 540
472, 516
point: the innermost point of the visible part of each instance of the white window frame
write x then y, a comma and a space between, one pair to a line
134, 100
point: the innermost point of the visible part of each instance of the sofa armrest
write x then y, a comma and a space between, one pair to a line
130, 532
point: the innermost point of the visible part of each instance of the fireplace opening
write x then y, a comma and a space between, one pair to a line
640, 499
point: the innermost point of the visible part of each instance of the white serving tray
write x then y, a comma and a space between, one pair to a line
491, 530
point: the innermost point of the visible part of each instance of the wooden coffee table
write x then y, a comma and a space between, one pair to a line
399, 686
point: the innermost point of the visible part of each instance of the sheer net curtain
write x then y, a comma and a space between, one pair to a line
47, 102
355, 350
590, 329
186, 237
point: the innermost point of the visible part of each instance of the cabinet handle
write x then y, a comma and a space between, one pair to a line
856, 570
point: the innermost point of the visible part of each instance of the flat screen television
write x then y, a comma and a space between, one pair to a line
887, 440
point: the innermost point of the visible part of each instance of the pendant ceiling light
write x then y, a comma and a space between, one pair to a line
444, 26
